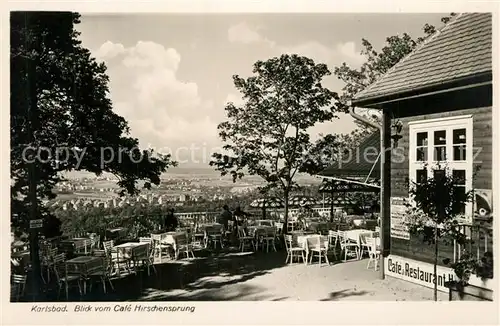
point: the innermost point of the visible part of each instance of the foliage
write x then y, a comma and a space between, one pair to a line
484, 267
378, 63
267, 135
59, 102
437, 203
468, 264
465, 267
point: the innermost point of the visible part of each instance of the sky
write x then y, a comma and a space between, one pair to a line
171, 74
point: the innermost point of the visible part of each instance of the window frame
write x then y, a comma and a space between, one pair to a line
449, 124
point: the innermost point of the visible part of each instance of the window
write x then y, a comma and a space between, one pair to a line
422, 141
445, 141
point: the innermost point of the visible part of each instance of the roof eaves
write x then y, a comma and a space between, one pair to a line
479, 78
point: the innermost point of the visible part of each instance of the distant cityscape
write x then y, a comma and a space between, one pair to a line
178, 186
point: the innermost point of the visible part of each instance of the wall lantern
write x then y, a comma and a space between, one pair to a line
396, 129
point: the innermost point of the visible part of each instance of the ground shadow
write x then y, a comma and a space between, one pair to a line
338, 295
211, 276
202, 279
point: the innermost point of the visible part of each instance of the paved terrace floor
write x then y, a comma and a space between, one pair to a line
255, 276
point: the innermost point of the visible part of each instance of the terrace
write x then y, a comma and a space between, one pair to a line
247, 276
213, 272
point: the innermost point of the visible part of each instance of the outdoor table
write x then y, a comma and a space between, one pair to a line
212, 228
133, 251
264, 223
301, 240
355, 234
212, 233
216, 226
252, 230
116, 233
82, 243
171, 238
318, 226
74, 245
83, 266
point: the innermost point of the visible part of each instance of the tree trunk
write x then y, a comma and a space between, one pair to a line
32, 176
331, 207
285, 222
435, 262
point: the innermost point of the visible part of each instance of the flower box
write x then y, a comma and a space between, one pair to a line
469, 292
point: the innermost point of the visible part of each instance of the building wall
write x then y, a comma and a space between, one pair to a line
476, 102
482, 142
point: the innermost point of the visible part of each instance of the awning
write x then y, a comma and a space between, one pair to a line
360, 165
348, 185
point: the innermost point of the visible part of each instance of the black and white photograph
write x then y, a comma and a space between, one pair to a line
162, 159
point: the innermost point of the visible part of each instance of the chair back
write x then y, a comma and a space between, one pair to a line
19, 279
106, 258
259, 232
270, 232
87, 245
265, 223
342, 237
60, 270
108, 245
60, 258
313, 242
213, 231
324, 241
241, 233
50, 254
279, 227
363, 237
290, 242
14, 262
371, 243
148, 240
333, 234
95, 240
156, 237
142, 251
181, 239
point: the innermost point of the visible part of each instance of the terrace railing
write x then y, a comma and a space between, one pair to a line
210, 217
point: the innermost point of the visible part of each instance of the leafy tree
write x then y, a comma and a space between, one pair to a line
377, 64
267, 135
60, 104
437, 203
